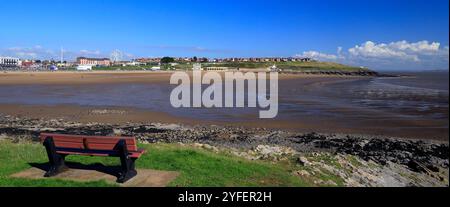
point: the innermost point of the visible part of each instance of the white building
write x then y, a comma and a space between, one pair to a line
197, 66
84, 67
155, 68
273, 68
9, 62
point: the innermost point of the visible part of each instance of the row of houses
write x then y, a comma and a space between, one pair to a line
11, 62
105, 62
86, 61
234, 59
264, 59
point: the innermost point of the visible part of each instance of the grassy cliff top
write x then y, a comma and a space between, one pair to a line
315, 65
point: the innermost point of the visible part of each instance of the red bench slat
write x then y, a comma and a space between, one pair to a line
92, 146
111, 140
95, 146
76, 145
106, 140
79, 138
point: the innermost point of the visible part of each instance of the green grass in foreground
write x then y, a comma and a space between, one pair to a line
198, 167
16, 157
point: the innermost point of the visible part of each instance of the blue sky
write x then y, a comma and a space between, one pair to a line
399, 34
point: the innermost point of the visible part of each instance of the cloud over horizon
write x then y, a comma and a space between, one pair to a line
400, 55
39, 52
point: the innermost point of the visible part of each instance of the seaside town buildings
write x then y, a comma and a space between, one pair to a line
233, 59
93, 61
9, 62
264, 59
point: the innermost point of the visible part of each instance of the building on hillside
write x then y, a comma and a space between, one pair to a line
229, 59
148, 60
94, 61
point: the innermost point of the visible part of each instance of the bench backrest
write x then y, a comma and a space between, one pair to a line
83, 142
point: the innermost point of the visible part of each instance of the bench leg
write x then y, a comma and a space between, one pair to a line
57, 163
127, 163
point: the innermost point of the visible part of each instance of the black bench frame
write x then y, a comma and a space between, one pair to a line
57, 161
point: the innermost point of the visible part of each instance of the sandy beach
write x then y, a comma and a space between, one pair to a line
74, 77
99, 77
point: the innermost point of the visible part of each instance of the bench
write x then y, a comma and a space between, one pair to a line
58, 146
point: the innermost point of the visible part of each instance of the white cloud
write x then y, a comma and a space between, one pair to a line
444, 53
393, 55
88, 52
318, 56
28, 52
372, 50
31, 55
396, 50
417, 47
40, 52
339, 50
323, 56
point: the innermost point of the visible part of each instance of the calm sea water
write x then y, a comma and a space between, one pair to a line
420, 96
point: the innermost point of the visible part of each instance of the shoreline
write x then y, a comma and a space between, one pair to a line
371, 123
111, 115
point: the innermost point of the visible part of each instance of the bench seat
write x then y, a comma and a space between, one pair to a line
58, 146
91, 145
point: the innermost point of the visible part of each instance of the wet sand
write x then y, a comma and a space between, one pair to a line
346, 120
122, 115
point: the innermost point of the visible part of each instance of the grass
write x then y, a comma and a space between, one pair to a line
323, 174
197, 167
295, 66
354, 161
14, 157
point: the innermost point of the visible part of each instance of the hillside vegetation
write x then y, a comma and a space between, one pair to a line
296, 66
286, 66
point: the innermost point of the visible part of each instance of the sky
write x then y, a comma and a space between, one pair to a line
379, 34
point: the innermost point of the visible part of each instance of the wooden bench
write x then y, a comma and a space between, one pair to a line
58, 146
